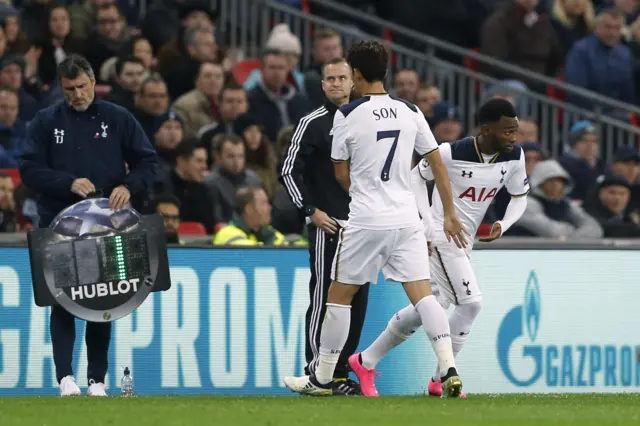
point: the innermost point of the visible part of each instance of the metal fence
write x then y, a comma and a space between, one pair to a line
246, 24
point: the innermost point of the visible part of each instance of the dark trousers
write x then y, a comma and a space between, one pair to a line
322, 248
63, 337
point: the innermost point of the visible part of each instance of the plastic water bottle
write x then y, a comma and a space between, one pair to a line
126, 384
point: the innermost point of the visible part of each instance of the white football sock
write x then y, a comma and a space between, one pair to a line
333, 336
436, 325
401, 326
460, 322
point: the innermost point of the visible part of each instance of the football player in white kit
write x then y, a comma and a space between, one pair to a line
479, 167
373, 142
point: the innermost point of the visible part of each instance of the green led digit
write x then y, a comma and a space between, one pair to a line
120, 265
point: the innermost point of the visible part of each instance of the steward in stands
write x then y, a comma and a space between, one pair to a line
251, 224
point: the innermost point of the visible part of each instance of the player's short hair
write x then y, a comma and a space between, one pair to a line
73, 66
245, 196
334, 61
220, 139
3, 175
128, 59
493, 110
371, 58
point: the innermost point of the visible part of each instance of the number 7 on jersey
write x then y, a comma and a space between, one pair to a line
388, 134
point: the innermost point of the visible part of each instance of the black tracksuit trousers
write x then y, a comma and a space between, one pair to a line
322, 248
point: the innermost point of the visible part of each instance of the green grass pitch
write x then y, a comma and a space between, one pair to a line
480, 410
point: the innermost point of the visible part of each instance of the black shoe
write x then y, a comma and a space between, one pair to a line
451, 384
345, 387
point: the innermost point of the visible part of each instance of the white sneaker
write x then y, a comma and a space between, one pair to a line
68, 386
97, 389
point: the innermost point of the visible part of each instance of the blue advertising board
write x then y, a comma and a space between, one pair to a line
233, 323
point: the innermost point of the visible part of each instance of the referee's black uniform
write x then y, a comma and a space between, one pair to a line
308, 176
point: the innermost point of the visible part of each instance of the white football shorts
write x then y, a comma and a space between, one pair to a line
452, 277
401, 254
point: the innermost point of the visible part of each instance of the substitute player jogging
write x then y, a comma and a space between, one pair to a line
373, 143
479, 167
307, 175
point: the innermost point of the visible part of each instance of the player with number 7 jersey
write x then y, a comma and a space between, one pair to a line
372, 147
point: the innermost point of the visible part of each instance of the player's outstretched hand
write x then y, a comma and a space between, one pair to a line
454, 230
496, 231
324, 222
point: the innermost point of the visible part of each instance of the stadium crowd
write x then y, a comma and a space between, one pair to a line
221, 139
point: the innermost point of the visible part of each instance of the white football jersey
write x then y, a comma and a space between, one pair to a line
476, 178
378, 135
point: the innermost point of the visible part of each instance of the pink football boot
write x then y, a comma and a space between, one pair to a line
367, 378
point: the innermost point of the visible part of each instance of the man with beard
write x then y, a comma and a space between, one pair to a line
168, 207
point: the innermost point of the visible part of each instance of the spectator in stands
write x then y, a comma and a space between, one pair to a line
609, 206
8, 213
233, 102
445, 123
57, 44
275, 102
533, 155
186, 182
426, 98
550, 213
12, 72
12, 131
326, 46
165, 26
251, 222
16, 39
151, 101
136, 46
167, 135
572, 20
260, 153
582, 162
141, 48
168, 206
625, 163
283, 40
83, 16
513, 91
517, 34
201, 47
130, 73
229, 174
602, 64
527, 131
286, 216
109, 37
406, 83
27, 208
199, 107
455, 21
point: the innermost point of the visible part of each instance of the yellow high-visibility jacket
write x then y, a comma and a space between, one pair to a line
237, 233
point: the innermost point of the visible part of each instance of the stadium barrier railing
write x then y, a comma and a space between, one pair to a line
247, 24
557, 317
